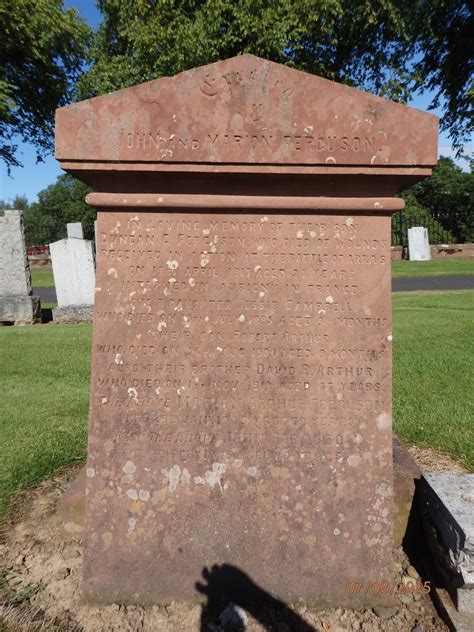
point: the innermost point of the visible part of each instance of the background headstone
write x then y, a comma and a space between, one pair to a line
17, 305
74, 279
418, 244
74, 230
241, 378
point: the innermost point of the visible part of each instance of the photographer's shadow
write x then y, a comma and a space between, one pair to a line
228, 584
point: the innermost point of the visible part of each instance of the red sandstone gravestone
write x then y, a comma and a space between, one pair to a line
241, 380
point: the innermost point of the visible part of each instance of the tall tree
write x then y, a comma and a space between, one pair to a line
448, 196
63, 202
42, 51
370, 44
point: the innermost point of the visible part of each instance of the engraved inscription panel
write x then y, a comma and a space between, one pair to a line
246, 110
241, 401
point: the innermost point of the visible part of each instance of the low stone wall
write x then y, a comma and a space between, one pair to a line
39, 261
441, 251
452, 251
397, 253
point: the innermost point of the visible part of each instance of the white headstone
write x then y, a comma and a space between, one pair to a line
17, 305
74, 278
418, 244
74, 230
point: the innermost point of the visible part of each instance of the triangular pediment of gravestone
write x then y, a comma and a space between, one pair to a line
246, 110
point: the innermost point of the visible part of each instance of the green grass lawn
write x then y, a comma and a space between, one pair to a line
42, 277
435, 267
44, 377
433, 371
44, 384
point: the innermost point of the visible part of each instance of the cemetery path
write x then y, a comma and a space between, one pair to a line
417, 284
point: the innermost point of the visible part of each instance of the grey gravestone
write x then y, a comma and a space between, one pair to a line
74, 278
448, 513
17, 305
418, 244
74, 230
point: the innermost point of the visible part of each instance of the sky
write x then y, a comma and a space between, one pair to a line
33, 177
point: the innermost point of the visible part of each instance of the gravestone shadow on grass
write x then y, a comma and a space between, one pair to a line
226, 584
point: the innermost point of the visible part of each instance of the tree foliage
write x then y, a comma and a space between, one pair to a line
447, 198
42, 51
370, 44
57, 205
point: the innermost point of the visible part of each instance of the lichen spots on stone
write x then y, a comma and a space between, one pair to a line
204, 261
241, 318
172, 264
329, 300
132, 393
354, 460
331, 160
180, 390
257, 268
263, 219
206, 232
349, 221
112, 272
144, 495
129, 468
118, 359
213, 477
337, 532
252, 471
389, 338
107, 539
384, 421
104, 400
90, 472
161, 325
191, 282
131, 524
378, 205
132, 494
299, 234
172, 476
237, 463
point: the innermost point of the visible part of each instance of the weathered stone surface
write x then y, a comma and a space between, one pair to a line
74, 230
73, 314
20, 310
246, 110
456, 621
241, 379
74, 279
448, 508
405, 474
17, 304
241, 404
418, 244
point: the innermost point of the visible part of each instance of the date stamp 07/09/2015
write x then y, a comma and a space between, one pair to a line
377, 586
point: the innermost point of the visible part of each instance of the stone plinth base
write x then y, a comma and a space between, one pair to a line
20, 310
73, 314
